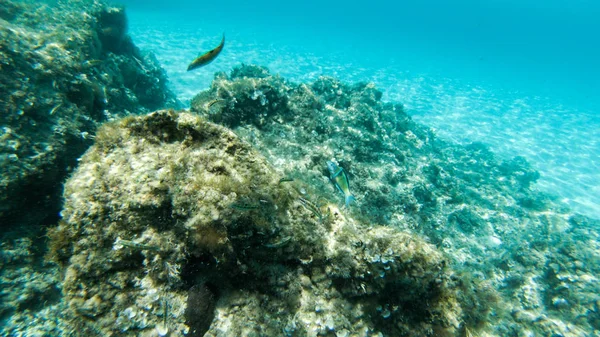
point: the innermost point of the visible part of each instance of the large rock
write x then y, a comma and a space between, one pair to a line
65, 68
169, 214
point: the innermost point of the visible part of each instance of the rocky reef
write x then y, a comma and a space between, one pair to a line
496, 230
169, 213
173, 224
223, 220
66, 67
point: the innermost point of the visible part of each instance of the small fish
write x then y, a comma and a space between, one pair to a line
285, 180
91, 63
140, 63
215, 105
213, 102
311, 207
55, 108
339, 178
280, 243
207, 57
163, 329
244, 206
120, 243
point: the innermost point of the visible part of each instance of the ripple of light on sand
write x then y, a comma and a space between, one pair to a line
562, 142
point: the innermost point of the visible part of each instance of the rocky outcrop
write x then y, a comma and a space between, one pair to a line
65, 68
168, 211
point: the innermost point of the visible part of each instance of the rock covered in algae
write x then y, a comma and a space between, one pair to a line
398, 169
506, 241
65, 68
27, 287
168, 209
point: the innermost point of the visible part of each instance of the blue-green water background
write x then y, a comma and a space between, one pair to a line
520, 76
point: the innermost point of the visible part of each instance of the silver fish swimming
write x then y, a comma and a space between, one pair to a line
339, 178
207, 57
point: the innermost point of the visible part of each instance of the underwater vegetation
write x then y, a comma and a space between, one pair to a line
481, 211
64, 69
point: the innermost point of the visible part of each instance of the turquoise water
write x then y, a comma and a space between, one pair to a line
164, 223
521, 77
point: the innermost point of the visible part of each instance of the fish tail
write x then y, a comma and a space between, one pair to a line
349, 199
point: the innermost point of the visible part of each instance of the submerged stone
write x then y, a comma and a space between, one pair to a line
168, 180
62, 75
199, 310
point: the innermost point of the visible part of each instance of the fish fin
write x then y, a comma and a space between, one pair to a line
349, 199
337, 172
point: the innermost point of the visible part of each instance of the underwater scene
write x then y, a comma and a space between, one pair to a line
313, 168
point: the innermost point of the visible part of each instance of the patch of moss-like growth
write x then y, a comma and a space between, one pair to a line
237, 103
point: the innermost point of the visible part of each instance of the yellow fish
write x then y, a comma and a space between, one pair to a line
207, 57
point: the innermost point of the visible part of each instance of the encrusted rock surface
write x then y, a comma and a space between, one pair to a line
64, 68
170, 216
497, 231
167, 202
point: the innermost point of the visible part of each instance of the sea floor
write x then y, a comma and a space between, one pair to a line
560, 139
147, 221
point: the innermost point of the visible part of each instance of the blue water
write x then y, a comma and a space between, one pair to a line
520, 76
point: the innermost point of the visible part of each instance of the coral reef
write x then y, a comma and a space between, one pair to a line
169, 210
65, 68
